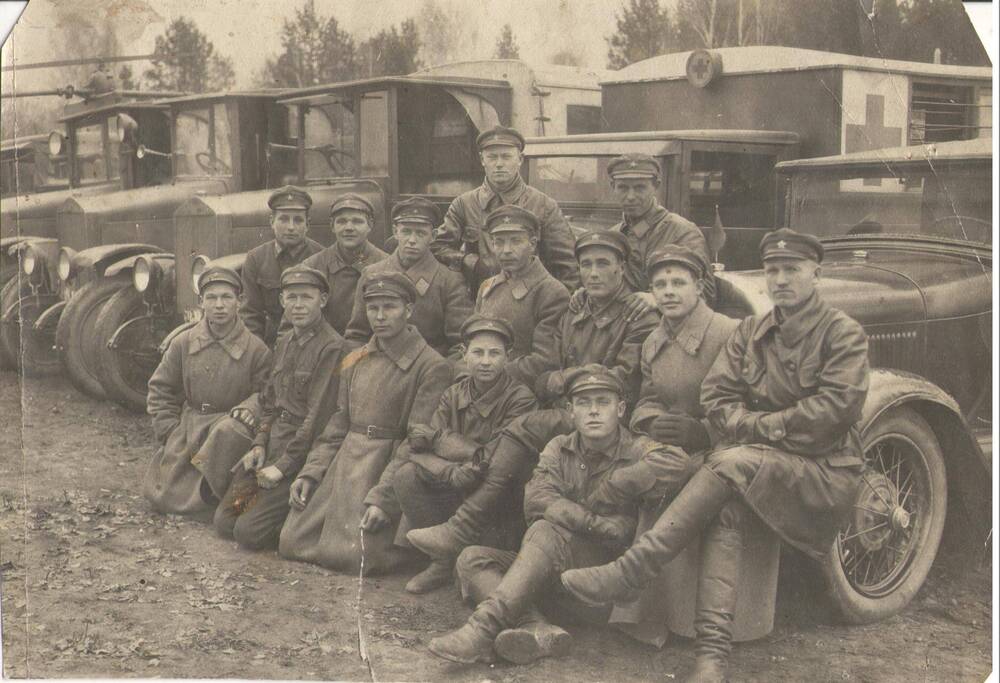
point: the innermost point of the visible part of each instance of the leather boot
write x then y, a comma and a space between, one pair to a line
467, 645
438, 573
694, 507
532, 638
721, 561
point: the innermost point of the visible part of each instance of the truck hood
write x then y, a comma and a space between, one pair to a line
157, 201
41, 205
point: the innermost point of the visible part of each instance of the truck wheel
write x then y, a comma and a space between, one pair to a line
75, 337
21, 345
883, 554
124, 371
10, 334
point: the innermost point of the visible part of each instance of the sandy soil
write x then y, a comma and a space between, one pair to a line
95, 585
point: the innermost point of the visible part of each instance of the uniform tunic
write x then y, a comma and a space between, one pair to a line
343, 276
383, 390
438, 313
261, 310
599, 336
297, 402
532, 303
785, 394
654, 230
196, 383
463, 232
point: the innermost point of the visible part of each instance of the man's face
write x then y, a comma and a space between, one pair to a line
303, 304
513, 250
635, 195
387, 315
414, 239
289, 226
351, 227
600, 271
596, 413
219, 303
501, 163
790, 282
675, 290
486, 356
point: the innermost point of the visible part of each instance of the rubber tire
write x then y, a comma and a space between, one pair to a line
28, 351
75, 337
10, 335
856, 608
121, 307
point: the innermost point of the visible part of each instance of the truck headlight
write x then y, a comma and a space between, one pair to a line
198, 266
29, 261
142, 274
64, 267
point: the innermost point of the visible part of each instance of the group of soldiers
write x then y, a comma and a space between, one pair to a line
513, 407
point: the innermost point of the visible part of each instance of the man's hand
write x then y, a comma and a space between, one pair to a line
576, 300
678, 429
638, 305
422, 438
609, 529
244, 415
374, 519
301, 490
555, 384
252, 461
269, 477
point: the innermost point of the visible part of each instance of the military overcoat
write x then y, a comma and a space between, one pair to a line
262, 269
343, 275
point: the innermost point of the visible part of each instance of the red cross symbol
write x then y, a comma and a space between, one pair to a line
874, 134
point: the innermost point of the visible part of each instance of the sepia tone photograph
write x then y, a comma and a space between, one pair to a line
589, 340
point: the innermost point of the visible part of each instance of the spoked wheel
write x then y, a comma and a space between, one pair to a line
22, 346
883, 554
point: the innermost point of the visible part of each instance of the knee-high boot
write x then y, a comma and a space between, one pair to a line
695, 506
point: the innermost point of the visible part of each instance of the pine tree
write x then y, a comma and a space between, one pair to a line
506, 47
185, 60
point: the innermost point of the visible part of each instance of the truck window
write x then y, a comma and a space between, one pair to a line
329, 132
375, 134
582, 118
572, 179
740, 184
90, 162
196, 152
437, 143
114, 148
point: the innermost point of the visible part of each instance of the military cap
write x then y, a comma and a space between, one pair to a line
416, 210
481, 323
785, 243
610, 239
391, 284
593, 376
633, 166
289, 197
511, 218
216, 274
500, 135
352, 201
675, 253
302, 274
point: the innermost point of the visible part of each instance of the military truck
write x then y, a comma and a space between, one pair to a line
384, 138
26, 167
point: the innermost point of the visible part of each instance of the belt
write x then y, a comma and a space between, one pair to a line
291, 418
376, 432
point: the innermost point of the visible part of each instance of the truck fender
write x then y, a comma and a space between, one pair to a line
124, 265
102, 256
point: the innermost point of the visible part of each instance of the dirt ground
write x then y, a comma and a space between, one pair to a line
96, 585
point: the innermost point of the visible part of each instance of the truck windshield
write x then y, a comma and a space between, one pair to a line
329, 133
202, 142
952, 203
94, 163
572, 179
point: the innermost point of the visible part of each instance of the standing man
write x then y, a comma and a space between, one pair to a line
443, 301
523, 293
297, 402
351, 219
785, 393
387, 386
462, 244
206, 370
567, 529
261, 310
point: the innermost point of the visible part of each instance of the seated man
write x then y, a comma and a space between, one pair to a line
388, 385
784, 393
443, 303
568, 527
206, 370
297, 402
523, 293
442, 461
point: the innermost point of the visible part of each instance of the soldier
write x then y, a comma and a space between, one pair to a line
443, 303
523, 293
442, 461
566, 528
784, 394
388, 385
351, 219
461, 243
206, 370
648, 226
297, 402
261, 310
